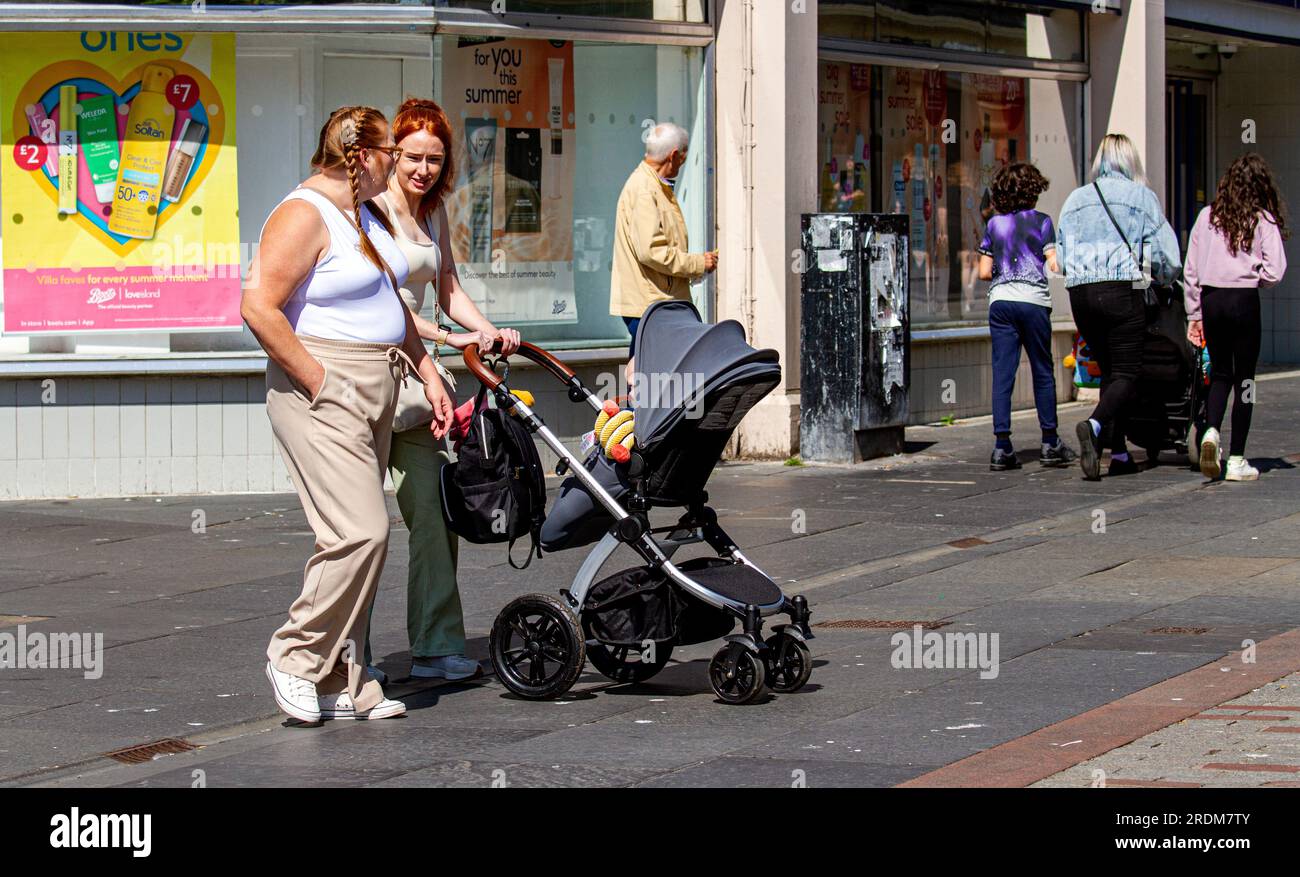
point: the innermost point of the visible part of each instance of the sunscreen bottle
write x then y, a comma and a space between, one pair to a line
68, 149
144, 157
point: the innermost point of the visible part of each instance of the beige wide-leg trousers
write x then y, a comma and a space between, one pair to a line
336, 448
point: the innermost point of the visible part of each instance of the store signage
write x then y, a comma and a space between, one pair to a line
120, 192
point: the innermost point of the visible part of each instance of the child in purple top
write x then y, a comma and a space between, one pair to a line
1235, 248
1019, 247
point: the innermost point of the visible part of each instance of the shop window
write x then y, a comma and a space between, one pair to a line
657, 10
926, 143
567, 124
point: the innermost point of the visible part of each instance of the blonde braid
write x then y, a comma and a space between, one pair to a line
368, 248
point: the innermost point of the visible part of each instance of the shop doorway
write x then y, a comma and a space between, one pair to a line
1188, 147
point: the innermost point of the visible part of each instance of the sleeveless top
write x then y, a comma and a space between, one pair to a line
346, 297
424, 260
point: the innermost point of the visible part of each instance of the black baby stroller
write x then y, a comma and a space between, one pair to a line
694, 384
1169, 410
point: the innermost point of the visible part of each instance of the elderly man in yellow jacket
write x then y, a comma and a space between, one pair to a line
651, 262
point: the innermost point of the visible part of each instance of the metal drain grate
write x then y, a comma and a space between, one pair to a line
1194, 631
969, 542
148, 751
879, 624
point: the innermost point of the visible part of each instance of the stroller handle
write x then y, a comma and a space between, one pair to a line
490, 379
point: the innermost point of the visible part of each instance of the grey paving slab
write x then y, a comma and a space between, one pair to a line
778, 773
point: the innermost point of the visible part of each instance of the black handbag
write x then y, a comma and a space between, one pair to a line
1154, 295
496, 489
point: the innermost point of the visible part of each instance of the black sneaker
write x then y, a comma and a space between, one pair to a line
1089, 451
1123, 467
1003, 460
1058, 454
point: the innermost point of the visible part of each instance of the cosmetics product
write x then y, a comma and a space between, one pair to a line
144, 155
181, 161
47, 130
557, 105
68, 149
97, 133
523, 180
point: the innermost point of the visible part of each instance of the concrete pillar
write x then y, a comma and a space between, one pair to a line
766, 177
1127, 60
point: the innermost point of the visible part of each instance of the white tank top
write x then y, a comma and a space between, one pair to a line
346, 297
423, 260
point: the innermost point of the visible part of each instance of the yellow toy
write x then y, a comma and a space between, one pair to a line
614, 432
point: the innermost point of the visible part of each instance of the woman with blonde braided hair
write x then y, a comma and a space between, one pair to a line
322, 299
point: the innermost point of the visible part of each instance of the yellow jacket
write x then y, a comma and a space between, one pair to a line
650, 258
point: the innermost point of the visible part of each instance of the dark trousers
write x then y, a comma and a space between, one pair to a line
1012, 325
1232, 330
1112, 319
632, 323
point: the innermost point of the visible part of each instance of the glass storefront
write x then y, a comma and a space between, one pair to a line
554, 126
926, 142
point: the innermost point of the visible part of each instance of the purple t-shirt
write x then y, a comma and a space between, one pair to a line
1017, 242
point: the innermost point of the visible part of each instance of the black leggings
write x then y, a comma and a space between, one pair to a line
1232, 329
1112, 319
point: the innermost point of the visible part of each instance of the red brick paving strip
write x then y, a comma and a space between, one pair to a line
1039, 755
1244, 718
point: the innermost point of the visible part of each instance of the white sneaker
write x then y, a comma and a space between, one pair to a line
1210, 465
451, 667
339, 706
376, 674
295, 695
1240, 470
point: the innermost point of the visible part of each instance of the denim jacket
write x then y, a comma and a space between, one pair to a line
1089, 249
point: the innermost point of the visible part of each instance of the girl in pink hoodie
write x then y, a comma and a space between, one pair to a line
1235, 249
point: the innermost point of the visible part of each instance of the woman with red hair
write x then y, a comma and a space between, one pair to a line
414, 204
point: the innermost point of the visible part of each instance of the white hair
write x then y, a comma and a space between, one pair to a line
663, 139
1117, 154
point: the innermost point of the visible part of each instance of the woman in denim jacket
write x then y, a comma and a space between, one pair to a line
1106, 279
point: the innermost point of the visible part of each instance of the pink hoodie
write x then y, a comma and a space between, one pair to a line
1211, 263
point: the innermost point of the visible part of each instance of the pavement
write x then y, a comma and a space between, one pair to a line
1145, 627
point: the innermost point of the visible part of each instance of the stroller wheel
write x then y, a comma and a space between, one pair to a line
789, 663
537, 647
737, 675
624, 663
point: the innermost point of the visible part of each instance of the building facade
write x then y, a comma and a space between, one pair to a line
794, 107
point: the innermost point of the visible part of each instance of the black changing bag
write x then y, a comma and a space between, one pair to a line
638, 605
496, 490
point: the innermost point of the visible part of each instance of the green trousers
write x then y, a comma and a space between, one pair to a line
435, 622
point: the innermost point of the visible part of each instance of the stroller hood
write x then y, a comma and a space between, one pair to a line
681, 360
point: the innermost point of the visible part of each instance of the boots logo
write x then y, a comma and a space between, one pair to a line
99, 296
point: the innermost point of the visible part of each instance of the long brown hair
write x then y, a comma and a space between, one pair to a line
416, 114
347, 131
1245, 191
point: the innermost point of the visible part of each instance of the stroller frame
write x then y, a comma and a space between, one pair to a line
781, 663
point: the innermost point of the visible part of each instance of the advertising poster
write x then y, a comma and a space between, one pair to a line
915, 107
118, 182
844, 125
994, 126
511, 212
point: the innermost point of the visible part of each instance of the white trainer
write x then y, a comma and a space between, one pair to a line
451, 667
1240, 470
340, 706
376, 674
295, 695
1210, 465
